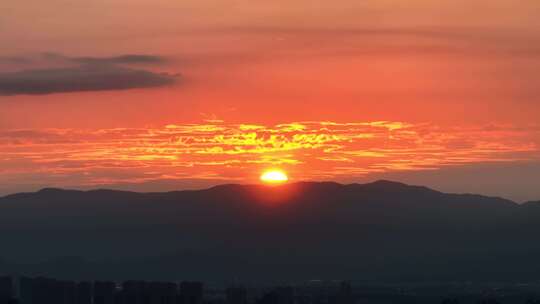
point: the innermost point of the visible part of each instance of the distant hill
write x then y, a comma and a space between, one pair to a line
378, 231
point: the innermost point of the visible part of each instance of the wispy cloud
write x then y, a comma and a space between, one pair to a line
218, 150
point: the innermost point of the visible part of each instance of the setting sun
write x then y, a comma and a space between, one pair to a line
274, 176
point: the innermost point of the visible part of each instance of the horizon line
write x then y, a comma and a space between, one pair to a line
289, 183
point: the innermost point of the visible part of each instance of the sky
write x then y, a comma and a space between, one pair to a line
164, 94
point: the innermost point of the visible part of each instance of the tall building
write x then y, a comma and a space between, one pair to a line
6, 290
162, 293
191, 292
45, 291
133, 292
84, 293
104, 292
279, 295
344, 294
68, 290
236, 295
25, 290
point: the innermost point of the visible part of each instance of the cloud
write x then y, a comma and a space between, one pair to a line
123, 59
120, 59
14, 60
87, 74
309, 150
376, 146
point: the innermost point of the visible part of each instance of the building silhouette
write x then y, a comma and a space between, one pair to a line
191, 293
236, 295
133, 292
343, 295
104, 292
6, 290
279, 295
26, 295
41, 290
84, 293
162, 293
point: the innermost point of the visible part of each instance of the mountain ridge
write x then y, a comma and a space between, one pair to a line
303, 230
380, 184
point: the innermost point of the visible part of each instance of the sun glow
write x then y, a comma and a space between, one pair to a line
274, 177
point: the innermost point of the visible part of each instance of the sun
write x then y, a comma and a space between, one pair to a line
274, 176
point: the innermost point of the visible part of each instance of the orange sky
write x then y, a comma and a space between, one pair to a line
371, 89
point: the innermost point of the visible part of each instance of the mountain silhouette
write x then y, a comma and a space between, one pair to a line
381, 231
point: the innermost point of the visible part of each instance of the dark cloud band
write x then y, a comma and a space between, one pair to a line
80, 79
88, 74
123, 59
